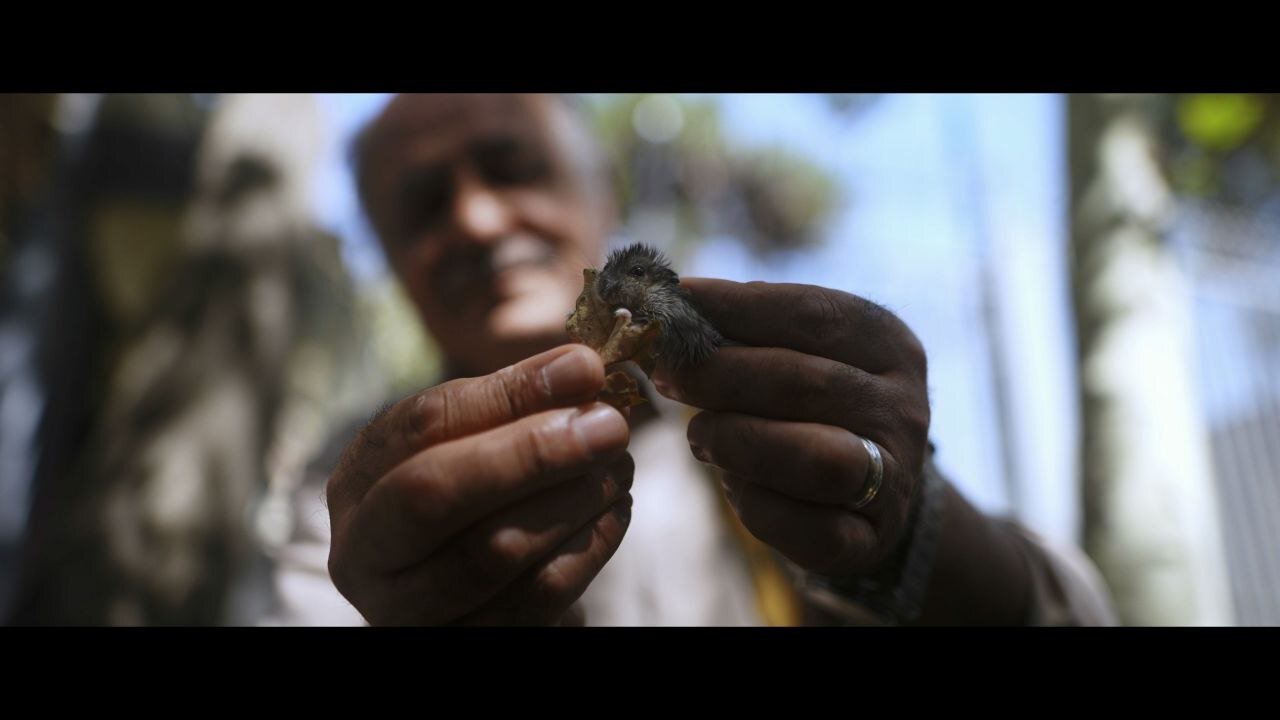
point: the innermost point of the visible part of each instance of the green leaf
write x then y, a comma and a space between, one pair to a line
1219, 122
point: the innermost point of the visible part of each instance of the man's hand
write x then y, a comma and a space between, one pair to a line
483, 500
783, 413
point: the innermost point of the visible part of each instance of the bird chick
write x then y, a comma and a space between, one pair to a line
638, 279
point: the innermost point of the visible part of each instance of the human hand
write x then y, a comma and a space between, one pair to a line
490, 500
783, 414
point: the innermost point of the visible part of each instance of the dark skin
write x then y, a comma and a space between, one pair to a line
481, 501
781, 419
488, 500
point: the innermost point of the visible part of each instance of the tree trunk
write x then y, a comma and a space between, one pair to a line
1150, 511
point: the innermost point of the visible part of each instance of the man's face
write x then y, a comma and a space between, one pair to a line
484, 210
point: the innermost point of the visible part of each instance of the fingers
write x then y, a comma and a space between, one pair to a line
805, 461
808, 319
446, 488
575, 616
787, 385
544, 594
819, 537
474, 566
566, 376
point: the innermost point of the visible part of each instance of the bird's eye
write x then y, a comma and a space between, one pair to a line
636, 271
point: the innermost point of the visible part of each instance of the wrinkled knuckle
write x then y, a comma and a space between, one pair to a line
508, 549
821, 313
426, 420
494, 556
809, 388
513, 388
422, 490
483, 566
843, 383
535, 449
883, 420
835, 389
554, 586
915, 419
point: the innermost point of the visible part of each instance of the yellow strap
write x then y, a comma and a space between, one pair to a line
777, 601
776, 598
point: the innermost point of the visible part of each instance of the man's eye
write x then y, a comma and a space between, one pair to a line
423, 201
516, 172
636, 272
509, 163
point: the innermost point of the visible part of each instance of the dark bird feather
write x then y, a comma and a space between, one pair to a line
640, 279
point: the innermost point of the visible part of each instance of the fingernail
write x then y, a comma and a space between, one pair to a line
568, 376
729, 493
668, 390
623, 509
601, 428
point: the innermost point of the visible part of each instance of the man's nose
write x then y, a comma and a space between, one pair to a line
479, 213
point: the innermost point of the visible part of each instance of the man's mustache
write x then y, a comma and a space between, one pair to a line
468, 268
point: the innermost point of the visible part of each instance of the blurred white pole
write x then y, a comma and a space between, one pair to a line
1151, 513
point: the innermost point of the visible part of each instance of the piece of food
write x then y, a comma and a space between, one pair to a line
616, 338
640, 280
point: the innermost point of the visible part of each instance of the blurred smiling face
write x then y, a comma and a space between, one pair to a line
484, 206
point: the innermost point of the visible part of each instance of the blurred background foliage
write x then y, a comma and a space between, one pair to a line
670, 155
1224, 147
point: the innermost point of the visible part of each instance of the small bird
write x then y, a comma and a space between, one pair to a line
639, 279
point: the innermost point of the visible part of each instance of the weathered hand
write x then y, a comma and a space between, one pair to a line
491, 500
782, 415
